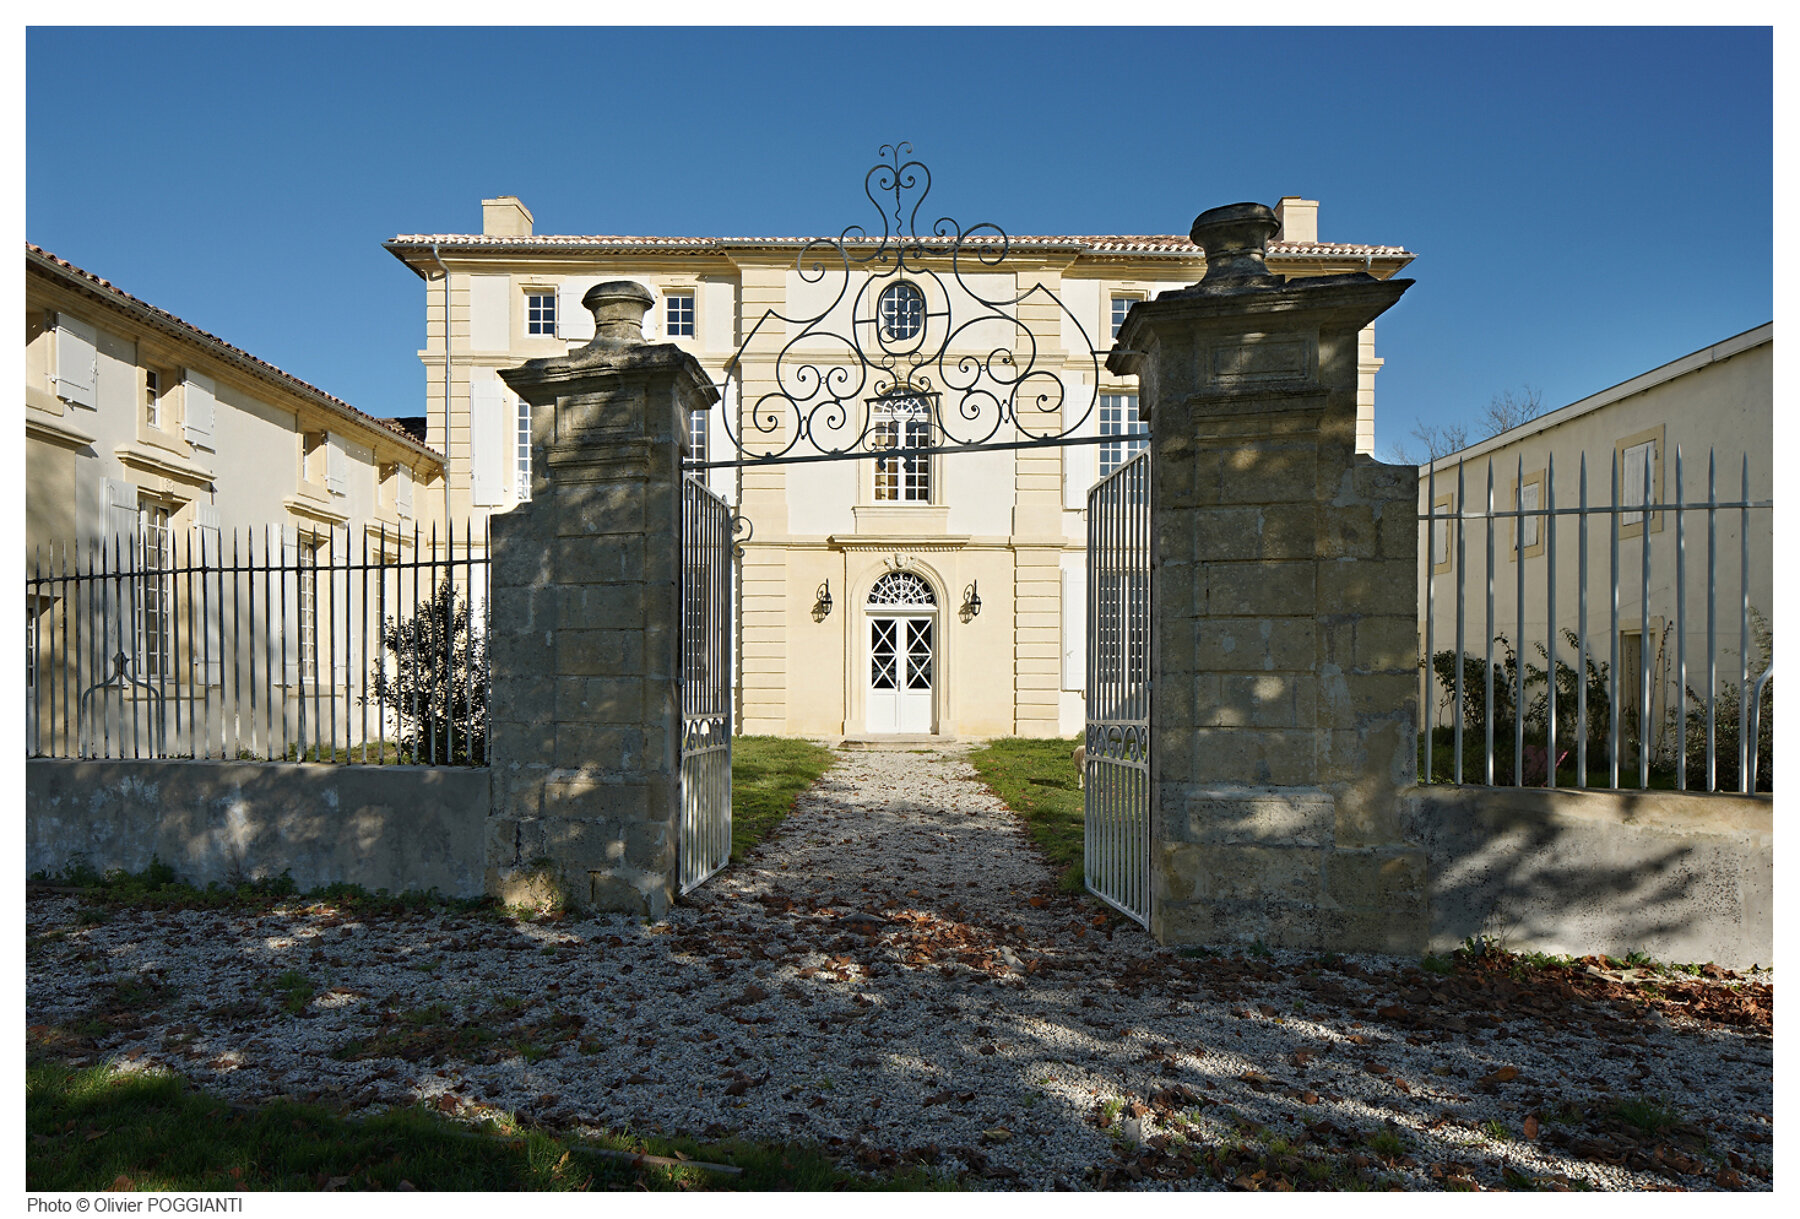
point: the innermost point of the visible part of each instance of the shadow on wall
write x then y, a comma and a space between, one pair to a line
1680, 877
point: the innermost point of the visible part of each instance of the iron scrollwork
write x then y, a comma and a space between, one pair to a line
918, 322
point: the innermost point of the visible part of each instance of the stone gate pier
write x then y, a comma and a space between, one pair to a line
586, 713
1285, 602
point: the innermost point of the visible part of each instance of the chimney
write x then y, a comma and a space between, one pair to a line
1299, 219
505, 217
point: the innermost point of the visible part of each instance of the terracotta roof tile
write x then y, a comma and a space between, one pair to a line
1098, 244
236, 354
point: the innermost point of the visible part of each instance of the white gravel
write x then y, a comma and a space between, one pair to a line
876, 979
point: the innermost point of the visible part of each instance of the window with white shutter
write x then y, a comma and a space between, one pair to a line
487, 442
209, 600
337, 465
1074, 628
1635, 486
77, 361
490, 309
573, 322
199, 406
403, 498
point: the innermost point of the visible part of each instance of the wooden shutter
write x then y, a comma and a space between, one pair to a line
120, 542
337, 465
199, 408
77, 364
1074, 628
573, 322
287, 585
403, 504
209, 659
1636, 492
1080, 463
490, 312
487, 442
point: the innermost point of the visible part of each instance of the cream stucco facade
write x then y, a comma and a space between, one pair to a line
1007, 526
144, 431
1715, 401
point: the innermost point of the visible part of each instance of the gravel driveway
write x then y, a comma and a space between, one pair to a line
893, 976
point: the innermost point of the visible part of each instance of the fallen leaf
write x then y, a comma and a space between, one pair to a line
1501, 1076
1531, 1126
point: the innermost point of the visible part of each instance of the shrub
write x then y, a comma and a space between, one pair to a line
436, 682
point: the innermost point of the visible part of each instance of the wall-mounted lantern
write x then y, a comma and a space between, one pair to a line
822, 602
971, 605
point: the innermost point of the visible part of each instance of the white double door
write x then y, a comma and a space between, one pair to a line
902, 659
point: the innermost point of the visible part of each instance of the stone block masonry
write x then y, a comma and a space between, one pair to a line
1284, 595
586, 712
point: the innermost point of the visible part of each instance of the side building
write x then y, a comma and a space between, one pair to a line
1664, 575
939, 595
153, 448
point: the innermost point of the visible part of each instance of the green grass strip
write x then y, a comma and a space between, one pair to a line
1037, 779
768, 773
96, 1129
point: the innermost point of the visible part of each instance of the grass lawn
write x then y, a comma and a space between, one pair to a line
767, 774
98, 1129
1037, 779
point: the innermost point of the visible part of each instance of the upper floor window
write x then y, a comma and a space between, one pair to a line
902, 311
678, 313
540, 313
901, 423
1119, 417
153, 398
522, 454
312, 457
1121, 305
153, 590
697, 448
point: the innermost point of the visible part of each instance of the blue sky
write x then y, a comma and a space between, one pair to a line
1585, 203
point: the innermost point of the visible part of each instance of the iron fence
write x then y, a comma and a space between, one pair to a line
1653, 698
285, 643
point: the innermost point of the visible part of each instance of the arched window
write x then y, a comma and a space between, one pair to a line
901, 590
902, 311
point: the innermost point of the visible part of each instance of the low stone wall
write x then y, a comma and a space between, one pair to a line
382, 827
1680, 876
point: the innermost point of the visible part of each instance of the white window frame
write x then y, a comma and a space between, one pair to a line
1127, 299
522, 451
540, 312
903, 421
154, 594
900, 304
1120, 413
153, 398
685, 323
699, 441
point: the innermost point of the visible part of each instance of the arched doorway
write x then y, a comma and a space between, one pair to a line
900, 668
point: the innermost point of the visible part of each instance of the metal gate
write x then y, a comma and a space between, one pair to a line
1117, 779
706, 551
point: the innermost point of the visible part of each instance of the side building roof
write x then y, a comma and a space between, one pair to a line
1737, 344
88, 284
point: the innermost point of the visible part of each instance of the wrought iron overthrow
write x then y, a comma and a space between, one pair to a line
914, 325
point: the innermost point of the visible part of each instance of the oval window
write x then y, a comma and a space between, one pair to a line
902, 311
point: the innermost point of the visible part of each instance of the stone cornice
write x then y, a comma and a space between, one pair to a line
160, 462
897, 541
55, 430
311, 509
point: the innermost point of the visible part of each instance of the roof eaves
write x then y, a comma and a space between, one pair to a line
105, 291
